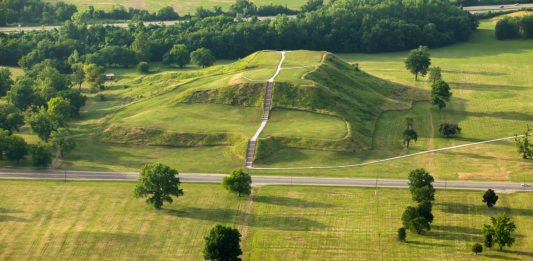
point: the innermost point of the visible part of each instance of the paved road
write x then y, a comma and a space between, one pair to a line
257, 180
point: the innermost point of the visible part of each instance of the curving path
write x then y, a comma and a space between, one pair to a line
250, 150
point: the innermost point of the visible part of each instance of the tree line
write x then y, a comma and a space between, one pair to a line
340, 26
514, 27
34, 11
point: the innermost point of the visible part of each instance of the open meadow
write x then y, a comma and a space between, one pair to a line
102, 220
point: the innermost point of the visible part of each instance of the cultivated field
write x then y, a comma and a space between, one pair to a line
182, 6
492, 98
91, 220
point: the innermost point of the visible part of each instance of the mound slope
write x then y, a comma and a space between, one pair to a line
222, 105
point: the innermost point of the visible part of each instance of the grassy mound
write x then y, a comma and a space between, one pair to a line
324, 103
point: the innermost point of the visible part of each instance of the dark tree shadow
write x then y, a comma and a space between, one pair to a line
290, 202
427, 243
496, 256
486, 87
268, 221
450, 235
4, 217
521, 253
461, 208
457, 229
476, 72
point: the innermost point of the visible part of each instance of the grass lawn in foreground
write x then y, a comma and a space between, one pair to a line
101, 220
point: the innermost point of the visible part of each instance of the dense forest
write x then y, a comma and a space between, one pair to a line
343, 26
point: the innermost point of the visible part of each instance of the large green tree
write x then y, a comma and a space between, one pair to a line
223, 244
60, 108
418, 61
203, 57
21, 94
15, 148
11, 117
94, 75
238, 182
421, 185
409, 134
440, 94
158, 183
179, 54
41, 155
142, 46
412, 220
43, 124
490, 198
500, 229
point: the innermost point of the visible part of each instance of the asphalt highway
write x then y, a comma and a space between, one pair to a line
259, 180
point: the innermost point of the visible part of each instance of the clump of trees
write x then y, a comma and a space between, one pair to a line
238, 182
34, 11
514, 27
203, 57
222, 243
158, 183
418, 219
499, 231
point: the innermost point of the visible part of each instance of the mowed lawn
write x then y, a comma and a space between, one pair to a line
52, 220
492, 93
183, 7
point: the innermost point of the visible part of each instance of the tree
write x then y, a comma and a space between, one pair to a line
420, 185
312, 5
62, 141
243, 7
418, 61
223, 244
507, 28
449, 129
490, 198
10, 117
488, 241
21, 94
43, 124
501, 229
143, 67
412, 220
402, 235
60, 108
77, 100
141, 46
524, 146
167, 13
409, 133
435, 74
238, 182
440, 94
203, 57
158, 183
5, 81
425, 210
477, 248
41, 155
179, 54
15, 148
77, 75
94, 75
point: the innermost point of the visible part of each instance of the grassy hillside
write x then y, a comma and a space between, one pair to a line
183, 7
492, 92
91, 220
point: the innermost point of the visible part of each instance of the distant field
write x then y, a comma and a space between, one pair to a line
492, 98
182, 6
91, 220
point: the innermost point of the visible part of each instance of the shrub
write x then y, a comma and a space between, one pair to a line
143, 67
477, 248
402, 234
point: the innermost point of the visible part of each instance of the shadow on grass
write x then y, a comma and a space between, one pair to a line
486, 87
290, 202
476, 73
455, 233
466, 155
421, 243
496, 256
461, 208
521, 253
264, 221
7, 218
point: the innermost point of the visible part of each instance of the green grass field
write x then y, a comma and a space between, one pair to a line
183, 7
48, 220
492, 99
